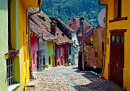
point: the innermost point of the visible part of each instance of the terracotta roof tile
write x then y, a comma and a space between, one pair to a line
75, 24
38, 25
37, 30
61, 37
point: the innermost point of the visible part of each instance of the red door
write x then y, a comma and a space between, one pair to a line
117, 57
34, 62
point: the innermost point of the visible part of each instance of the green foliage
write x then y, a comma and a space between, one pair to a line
66, 9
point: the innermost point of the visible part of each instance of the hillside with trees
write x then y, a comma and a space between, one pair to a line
67, 9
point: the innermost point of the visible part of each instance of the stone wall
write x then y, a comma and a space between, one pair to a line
98, 46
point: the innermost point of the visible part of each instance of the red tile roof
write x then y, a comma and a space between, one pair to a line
61, 37
39, 26
75, 24
37, 30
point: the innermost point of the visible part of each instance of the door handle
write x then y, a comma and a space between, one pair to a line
117, 64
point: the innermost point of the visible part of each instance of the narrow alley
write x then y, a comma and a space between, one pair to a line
69, 78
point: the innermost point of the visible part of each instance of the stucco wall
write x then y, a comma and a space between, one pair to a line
50, 53
74, 37
43, 46
34, 48
23, 39
3, 43
70, 55
77, 48
98, 40
15, 42
124, 24
61, 57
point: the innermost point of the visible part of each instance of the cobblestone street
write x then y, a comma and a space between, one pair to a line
71, 79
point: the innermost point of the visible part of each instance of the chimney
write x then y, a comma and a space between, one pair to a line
53, 27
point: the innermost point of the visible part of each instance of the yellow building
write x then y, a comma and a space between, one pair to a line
23, 6
117, 59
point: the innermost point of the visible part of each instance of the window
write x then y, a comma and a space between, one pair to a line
43, 59
117, 8
113, 38
61, 51
117, 39
10, 71
49, 60
122, 39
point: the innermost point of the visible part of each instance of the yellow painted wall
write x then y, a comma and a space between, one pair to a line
22, 18
23, 37
125, 24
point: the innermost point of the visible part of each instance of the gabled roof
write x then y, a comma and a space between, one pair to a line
75, 24
38, 26
61, 37
62, 23
40, 23
41, 32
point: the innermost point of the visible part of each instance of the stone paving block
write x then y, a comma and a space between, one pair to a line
69, 78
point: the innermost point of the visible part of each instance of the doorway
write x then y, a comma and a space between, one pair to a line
117, 57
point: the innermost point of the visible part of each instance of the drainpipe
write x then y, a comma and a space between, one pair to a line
29, 43
104, 53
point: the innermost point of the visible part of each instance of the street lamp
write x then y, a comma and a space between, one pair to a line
82, 21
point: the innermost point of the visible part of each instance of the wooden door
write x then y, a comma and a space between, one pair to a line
117, 57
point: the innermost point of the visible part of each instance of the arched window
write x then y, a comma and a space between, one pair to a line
49, 60
43, 59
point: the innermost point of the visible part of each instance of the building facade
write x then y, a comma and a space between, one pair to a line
117, 64
61, 55
68, 32
14, 55
34, 52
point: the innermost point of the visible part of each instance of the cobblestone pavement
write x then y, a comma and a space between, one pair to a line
71, 79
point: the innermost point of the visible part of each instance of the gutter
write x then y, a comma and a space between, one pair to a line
104, 53
29, 43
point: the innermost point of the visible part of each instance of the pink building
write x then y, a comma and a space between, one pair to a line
34, 53
61, 48
61, 55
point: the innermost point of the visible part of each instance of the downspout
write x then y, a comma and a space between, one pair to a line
29, 43
104, 53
